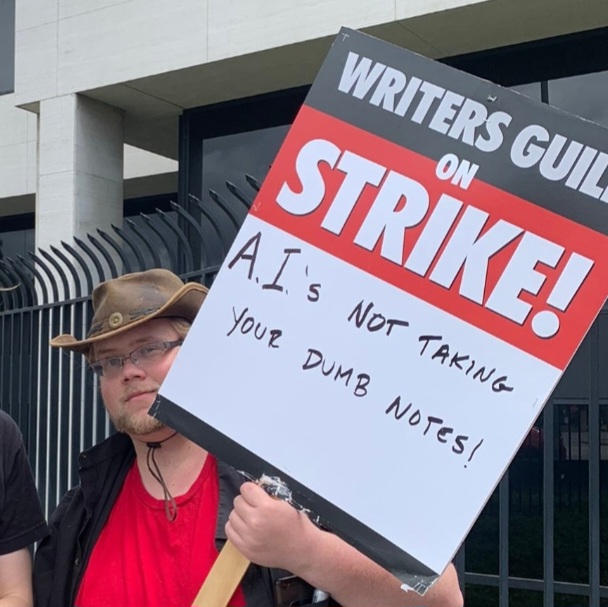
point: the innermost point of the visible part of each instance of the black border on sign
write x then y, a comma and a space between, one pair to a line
385, 553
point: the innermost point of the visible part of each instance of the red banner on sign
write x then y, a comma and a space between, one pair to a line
512, 268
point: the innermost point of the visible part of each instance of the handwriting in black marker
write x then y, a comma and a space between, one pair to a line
251, 257
433, 426
462, 362
315, 359
248, 324
249, 253
274, 285
375, 322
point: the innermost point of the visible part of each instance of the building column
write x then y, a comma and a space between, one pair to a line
80, 169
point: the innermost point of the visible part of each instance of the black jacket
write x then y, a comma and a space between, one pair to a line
77, 522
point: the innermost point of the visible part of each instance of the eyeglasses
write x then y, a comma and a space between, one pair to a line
142, 357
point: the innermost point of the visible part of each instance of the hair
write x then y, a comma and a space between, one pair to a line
181, 325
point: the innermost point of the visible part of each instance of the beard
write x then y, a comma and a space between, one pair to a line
133, 418
137, 425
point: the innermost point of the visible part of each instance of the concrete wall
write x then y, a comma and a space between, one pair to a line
18, 160
67, 46
150, 59
145, 173
71, 46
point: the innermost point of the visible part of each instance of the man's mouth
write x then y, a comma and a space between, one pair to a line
139, 393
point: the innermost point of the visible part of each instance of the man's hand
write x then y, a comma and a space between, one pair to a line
268, 531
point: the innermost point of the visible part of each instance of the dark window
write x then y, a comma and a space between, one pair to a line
583, 95
548, 59
220, 146
16, 236
7, 46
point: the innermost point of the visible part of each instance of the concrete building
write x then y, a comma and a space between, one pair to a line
91, 86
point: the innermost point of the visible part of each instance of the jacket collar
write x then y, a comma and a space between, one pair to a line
103, 469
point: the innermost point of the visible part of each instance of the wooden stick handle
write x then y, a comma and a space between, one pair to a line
225, 575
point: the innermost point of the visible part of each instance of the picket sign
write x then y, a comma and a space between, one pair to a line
418, 269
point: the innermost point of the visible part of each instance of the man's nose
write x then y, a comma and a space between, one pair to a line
131, 369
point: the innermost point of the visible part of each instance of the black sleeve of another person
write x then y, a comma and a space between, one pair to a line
21, 519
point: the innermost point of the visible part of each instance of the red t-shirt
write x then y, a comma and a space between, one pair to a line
143, 560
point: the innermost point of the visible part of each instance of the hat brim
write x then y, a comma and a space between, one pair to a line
185, 303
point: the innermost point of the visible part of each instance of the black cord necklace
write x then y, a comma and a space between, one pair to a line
170, 503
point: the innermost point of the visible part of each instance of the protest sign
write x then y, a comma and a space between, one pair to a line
419, 267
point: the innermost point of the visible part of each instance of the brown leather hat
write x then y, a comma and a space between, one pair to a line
130, 300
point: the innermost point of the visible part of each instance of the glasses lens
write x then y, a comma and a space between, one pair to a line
147, 353
111, 367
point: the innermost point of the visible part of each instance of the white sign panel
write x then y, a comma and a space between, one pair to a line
391, 318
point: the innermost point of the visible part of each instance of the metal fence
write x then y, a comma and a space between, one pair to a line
539, 540
49, 392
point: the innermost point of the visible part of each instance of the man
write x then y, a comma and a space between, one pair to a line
21, 520
152, 509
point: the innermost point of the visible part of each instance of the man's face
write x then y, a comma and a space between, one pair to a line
129, 394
